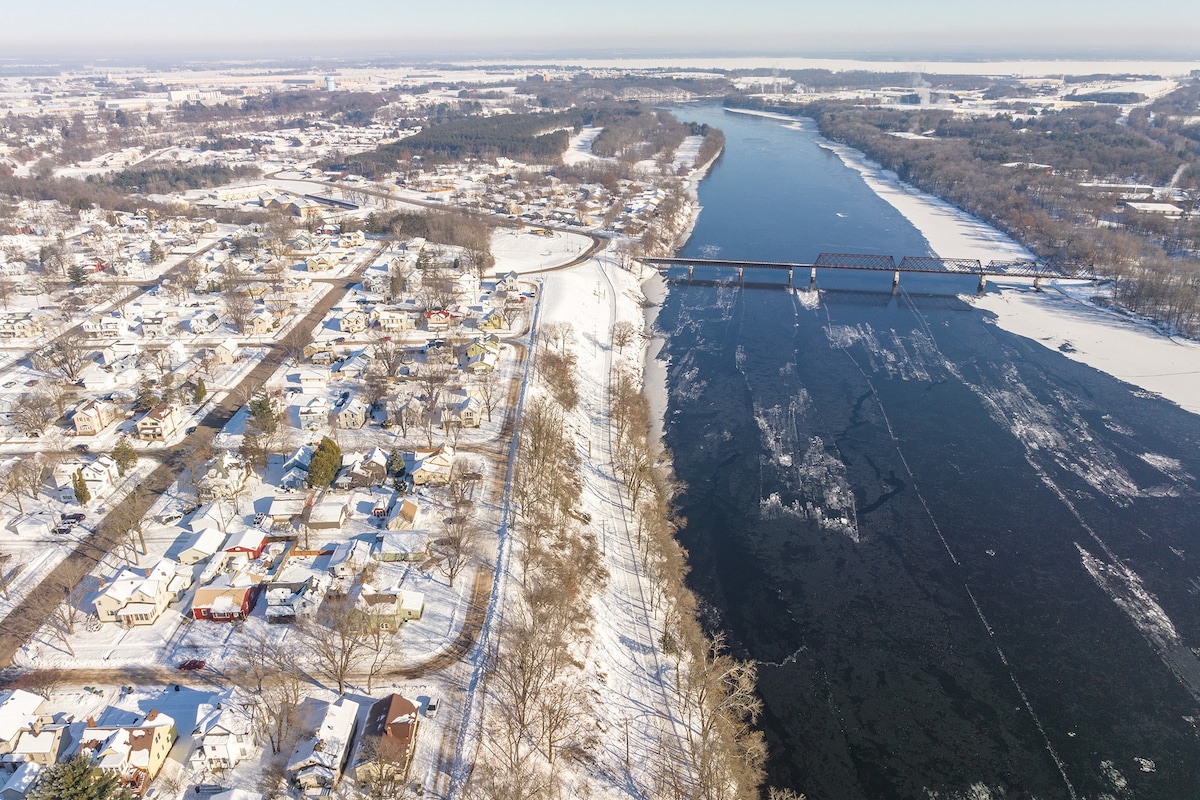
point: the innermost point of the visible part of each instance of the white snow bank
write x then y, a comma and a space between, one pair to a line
1061, 318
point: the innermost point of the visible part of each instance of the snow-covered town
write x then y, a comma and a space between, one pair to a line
263, 501
330, 420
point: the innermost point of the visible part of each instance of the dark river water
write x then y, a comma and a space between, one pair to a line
968, 566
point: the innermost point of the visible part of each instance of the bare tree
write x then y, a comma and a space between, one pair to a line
68, 356
337, 640
239, 306
623, 334
31, 413
295, 341
490, 388
460, 544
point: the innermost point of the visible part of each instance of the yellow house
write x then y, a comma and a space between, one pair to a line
134, 752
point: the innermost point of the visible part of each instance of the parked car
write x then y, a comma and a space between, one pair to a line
192, 664
82, 448
76, 517
431, 708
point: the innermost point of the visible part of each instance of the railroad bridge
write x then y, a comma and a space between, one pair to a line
1038, 270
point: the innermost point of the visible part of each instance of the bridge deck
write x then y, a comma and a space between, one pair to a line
875, 263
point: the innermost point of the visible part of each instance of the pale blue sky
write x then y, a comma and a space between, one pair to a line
398, 27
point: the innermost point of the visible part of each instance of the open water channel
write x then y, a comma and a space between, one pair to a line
967, 565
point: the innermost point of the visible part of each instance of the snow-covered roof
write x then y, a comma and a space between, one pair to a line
17, 709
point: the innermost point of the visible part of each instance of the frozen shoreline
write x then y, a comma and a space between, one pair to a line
1061, 318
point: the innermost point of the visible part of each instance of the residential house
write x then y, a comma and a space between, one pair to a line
350, 414
352, 321
41, 742
314, 380
263, 322
20, 325
250, 542
356, 365
133, 752
438, 319
463, 411
322, 262
350, 558
377, 610
103, 326
492, 321
329, 514
288, 601
402, 515
229, 598
224, 479
160, 423
227, 352
204, 321
314, 414
430, 466
100, 474
94, 416
389, 736
224, 735
202, 547
508, 282
412, 605
362, 471
19, 710
317, 762
402, 545
393, 320
155, 323
139, 597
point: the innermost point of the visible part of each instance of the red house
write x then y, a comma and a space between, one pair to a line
251, 541
221, 602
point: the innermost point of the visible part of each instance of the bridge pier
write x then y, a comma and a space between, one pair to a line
740, 280
690, 268
895, 280
789, 279
1037, 283
982, 282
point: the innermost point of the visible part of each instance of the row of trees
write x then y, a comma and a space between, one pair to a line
721, 755
539, 707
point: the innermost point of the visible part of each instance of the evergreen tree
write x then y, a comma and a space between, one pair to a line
156, 253
76, 275
125, 456
146, 397
77, 779
200, 393
325, 463
82, 494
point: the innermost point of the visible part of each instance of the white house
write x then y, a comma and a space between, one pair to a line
318, 760
224, 734
139, 597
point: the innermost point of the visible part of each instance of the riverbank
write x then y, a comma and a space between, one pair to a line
1065, 317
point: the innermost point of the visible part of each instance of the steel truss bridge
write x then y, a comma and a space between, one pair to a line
1037, 270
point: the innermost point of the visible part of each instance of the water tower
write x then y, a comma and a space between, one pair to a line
330, 83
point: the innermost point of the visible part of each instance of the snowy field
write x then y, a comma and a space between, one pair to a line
523, 251
580, 148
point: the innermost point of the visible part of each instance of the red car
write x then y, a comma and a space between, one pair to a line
191, 665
